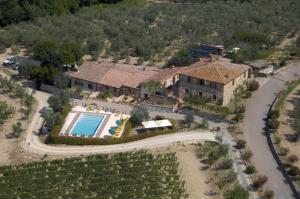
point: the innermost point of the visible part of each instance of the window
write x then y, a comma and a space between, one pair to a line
186, 91
174, 80
213, 85
200, 94
189, 79
158, 93
90, 86
201, 81
214, 97
233, 82
78, 83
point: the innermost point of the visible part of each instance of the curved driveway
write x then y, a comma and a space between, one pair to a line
253, 126
33, 144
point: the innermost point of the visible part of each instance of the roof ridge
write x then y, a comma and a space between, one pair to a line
219, 73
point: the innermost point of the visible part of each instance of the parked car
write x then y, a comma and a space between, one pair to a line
8, 62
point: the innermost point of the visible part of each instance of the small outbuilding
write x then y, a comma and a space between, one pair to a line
156, 124
259, 64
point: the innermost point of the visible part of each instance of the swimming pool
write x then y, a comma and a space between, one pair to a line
87, 124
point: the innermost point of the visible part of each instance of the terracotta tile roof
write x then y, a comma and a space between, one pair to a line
115, 75
169, 73
221, 71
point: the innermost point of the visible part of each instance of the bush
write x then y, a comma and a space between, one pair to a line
274, 124
259, 181
140, 61
268, 194
274, 114
54, 138
226, 164
253, 85
240, 144
246, 155
159, 117
204, 124
189, 119
237, 192
293, 158
128, 128
250, 169
282, 151
277, 139
294, 171
283, 62
138, 115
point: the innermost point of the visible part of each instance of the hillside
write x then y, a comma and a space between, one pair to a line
154, 31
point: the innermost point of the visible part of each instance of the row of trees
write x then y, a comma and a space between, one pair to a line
119, 176
15, 90
6, 111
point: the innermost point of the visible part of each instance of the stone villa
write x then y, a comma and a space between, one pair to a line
216, 79
121, 79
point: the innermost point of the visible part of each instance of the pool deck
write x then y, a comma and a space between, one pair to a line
109, 121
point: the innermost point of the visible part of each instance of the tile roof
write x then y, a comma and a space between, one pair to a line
221, 71
169, 73
115, 75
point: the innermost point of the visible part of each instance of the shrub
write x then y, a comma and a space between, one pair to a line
128, 128
250, 169
268, 194
237, 192
282, 62
138, 115
283, 151
204, 124
247, 94
273, 124
274, 114
54, 138
240, 144
159, 117
294, 171
277, 139
293, 158
140, 61
247, 154
259, 181
189, 119
230, 176
253, 85
226, 164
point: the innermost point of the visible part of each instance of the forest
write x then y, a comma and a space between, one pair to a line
13, 11
154, 32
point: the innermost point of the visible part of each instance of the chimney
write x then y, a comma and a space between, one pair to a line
213, 57
144, 68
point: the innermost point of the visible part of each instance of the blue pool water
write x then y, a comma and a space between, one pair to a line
87, 125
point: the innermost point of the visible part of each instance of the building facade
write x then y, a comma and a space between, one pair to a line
216, 80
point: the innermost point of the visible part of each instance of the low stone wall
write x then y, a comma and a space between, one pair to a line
57, 91
281, 167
